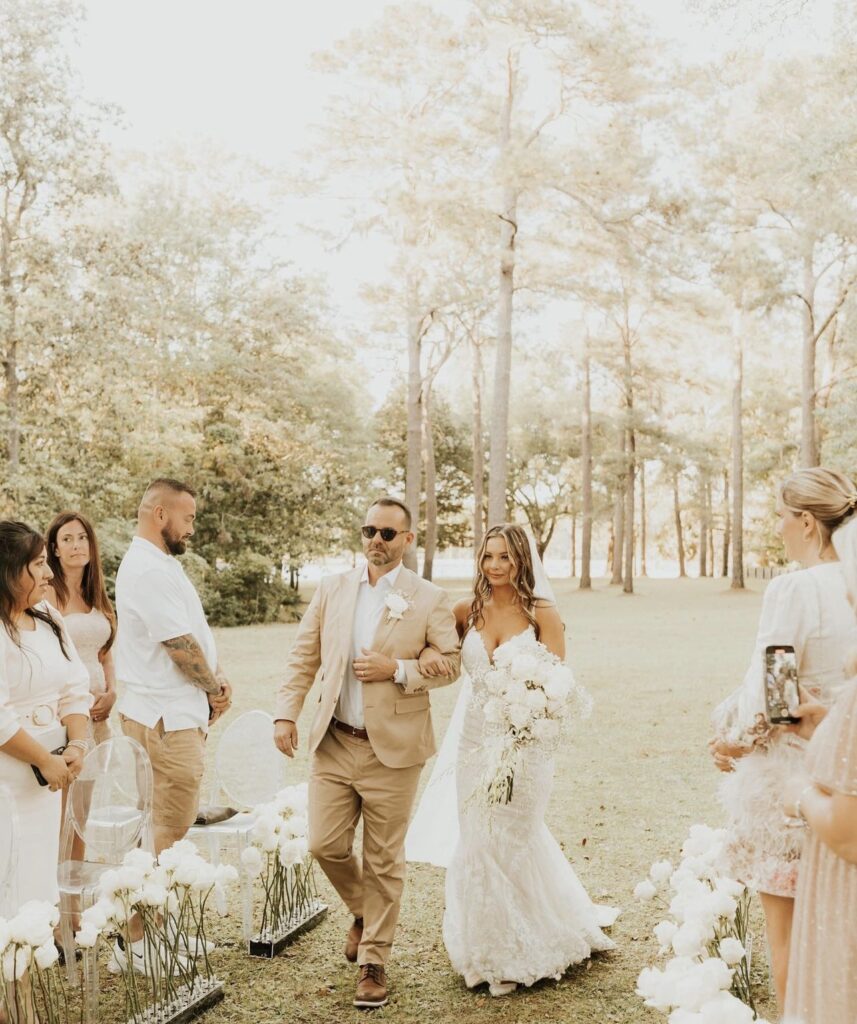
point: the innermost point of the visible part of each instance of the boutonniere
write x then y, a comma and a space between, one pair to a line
397, 604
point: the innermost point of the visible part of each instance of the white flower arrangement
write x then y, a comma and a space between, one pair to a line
396, 603
29, 988
170, 897
530, 695
279, 855
706, 979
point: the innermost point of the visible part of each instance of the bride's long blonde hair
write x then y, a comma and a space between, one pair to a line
521, 577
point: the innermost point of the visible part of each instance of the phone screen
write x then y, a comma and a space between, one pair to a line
781, 683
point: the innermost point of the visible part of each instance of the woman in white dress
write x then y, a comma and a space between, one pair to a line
78, 592
515, 910
808, 610
44, 704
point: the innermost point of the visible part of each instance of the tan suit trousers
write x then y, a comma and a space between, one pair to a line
347, 780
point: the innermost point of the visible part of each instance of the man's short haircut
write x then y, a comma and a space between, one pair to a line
165, 483
388, 502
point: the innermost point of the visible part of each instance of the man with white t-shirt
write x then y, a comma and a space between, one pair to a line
166, 658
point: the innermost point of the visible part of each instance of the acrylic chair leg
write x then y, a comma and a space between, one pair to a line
67, 910
246, 893
90, 985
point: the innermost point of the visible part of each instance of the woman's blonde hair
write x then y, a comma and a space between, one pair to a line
522, 577
830, 498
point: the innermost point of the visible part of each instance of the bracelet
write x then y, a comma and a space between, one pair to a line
84, 745
798, 810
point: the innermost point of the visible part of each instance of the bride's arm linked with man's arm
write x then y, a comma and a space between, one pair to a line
441, 637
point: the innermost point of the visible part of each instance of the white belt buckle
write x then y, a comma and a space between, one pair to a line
42, 714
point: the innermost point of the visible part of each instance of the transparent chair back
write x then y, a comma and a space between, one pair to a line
9, 832
248, 768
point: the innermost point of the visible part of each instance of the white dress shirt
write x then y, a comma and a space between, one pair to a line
368, 612
155, 601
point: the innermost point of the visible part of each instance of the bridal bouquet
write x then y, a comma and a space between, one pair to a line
706, 979
530, 695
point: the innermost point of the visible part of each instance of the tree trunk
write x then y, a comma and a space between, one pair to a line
727, 522
618, 527
808, 433
679, 536
478, 450
586, 473
430, 542
497, 484
709, 504
413, 469
703, 529
573, 546
631, 464
643, 571
738, 454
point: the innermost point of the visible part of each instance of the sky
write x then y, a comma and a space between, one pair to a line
238, 73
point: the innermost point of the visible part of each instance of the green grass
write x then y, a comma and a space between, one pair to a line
629, 782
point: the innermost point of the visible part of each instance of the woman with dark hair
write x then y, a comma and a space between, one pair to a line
515, 909
78, 593
44, 709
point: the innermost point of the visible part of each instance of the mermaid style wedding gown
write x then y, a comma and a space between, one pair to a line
515, 909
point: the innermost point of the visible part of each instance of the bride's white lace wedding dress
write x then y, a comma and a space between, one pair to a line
515, 909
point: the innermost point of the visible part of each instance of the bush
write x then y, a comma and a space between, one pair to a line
247, 591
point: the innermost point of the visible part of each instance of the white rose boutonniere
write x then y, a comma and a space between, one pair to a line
397, 604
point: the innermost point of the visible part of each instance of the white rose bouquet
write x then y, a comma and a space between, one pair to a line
529, 696
705, 935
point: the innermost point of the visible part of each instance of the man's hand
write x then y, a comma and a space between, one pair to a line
433, 664
286, 737
100, 710
73, 757
373, 667
221, 702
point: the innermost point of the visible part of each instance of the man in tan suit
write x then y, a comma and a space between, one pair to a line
372, 730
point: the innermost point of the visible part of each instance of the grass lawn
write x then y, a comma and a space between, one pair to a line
629, 782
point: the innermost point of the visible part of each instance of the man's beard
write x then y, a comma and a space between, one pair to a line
174, 545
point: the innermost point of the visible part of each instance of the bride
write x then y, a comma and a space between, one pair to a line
515, 910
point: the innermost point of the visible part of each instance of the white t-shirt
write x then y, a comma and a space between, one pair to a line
155, 601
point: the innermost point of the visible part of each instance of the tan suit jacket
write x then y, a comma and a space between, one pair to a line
398, 718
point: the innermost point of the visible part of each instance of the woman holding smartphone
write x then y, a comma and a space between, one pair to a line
44, 706
77, 591
806, 610
822, 986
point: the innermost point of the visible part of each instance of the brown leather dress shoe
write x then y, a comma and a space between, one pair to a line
371, 988
352, 940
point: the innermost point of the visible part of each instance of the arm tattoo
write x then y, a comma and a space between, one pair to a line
188, 657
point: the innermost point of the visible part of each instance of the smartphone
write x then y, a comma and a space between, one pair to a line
781, 684
42, 781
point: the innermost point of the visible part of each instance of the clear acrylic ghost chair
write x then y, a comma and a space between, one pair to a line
9, 831
108, 813
248, 770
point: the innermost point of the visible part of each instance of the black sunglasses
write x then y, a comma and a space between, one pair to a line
387, 532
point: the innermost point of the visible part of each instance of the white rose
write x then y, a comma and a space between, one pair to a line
664, 933
153, 895
645, 891
251, 861
524, 667
495, 681
536, 701
289, 853
226, 874
724, 1008
186, 873
516, 693
545, 730
660, 871
87, 937
682, 1016
47, 955
690, 939
396, 605
141, 859
559, 683
520, 715
722, 904
296, 826
729, 886
731, 951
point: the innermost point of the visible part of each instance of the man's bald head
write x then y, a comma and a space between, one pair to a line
166, 514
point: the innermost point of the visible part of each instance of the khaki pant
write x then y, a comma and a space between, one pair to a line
347, 780
178, 762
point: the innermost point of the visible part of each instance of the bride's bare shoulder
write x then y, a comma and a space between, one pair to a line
461, 609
